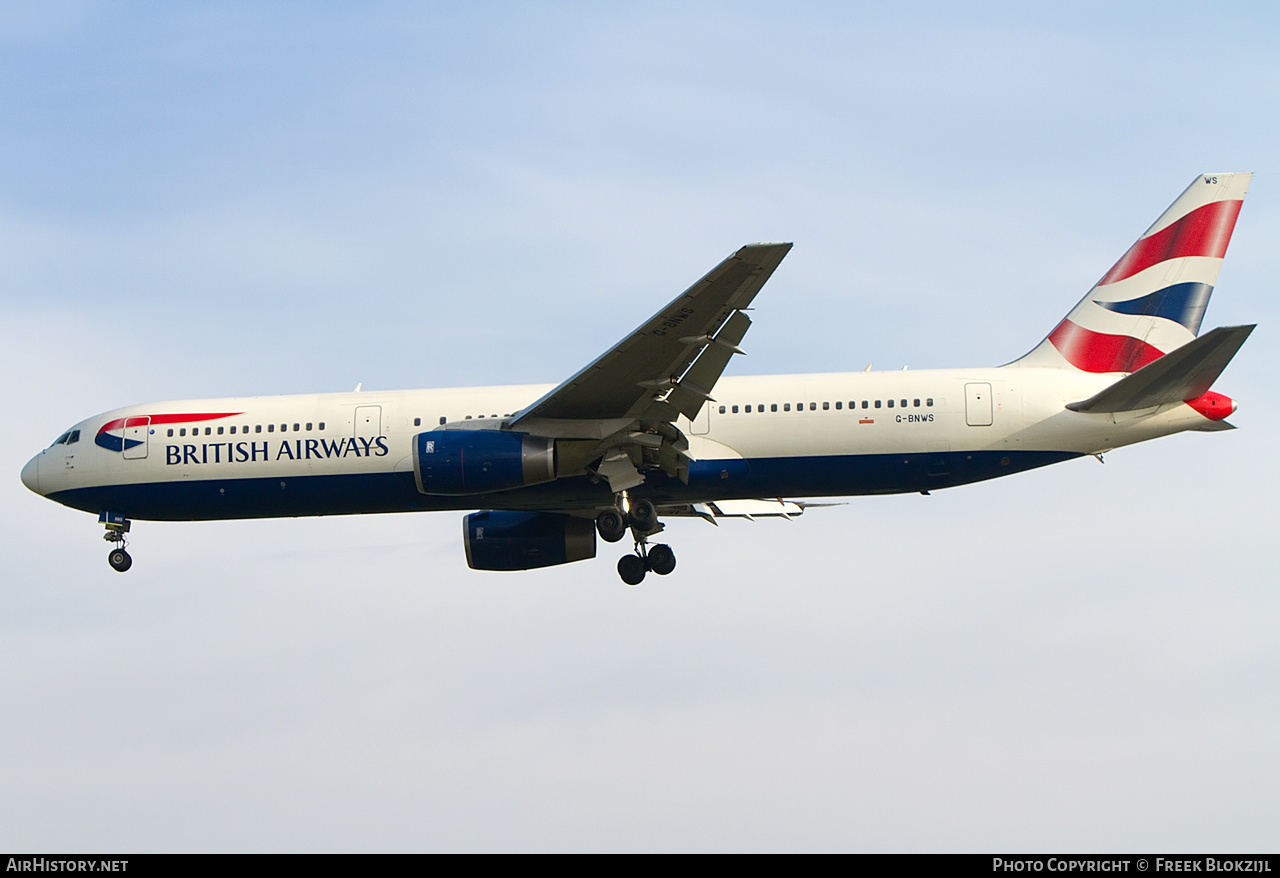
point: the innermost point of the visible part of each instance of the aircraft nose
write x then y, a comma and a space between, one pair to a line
31, 474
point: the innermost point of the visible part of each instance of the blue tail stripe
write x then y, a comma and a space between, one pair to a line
1182, 303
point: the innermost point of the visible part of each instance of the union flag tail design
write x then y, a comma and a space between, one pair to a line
1151, 301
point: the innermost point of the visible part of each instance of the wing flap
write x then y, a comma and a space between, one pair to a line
694, 388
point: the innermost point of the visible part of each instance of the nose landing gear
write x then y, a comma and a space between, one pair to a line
117, 526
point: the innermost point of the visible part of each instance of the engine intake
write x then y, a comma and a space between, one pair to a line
526, 540
481, 461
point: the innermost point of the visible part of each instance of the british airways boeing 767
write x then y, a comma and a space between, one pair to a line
651, 429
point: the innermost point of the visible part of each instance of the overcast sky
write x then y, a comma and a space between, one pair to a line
222, 199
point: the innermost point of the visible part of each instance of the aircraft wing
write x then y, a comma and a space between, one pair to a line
670, 363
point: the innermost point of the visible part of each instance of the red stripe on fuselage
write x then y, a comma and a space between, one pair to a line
1205, 231
183, 418
1098, 352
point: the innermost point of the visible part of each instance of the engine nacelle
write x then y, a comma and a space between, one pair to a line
480, 461
507, 540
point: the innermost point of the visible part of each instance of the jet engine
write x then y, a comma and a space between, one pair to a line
457, 462
505, 540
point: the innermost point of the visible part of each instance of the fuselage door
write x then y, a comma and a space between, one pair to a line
701, 425
136, 431
368, 421
977, 404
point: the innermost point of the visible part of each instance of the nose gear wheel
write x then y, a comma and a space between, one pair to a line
118, 558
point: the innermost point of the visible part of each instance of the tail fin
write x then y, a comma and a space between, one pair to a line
1153, 299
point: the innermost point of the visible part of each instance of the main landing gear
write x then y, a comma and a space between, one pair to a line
642, 518
117, 526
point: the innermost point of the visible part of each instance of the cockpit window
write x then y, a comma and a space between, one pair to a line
70, 437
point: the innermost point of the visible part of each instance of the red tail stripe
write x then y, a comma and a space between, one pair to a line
1205, 231
1092, 351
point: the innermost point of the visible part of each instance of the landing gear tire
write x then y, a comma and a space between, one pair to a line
611, 526
119, 560
661, 559
643, 516
632, 569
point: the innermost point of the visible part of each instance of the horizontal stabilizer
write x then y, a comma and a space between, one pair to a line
1182, 374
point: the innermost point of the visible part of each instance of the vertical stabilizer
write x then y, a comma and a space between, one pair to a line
1153, 299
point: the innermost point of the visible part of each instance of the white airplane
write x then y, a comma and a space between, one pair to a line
650, 429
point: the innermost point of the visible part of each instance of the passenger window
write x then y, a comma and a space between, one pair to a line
257, 428
308, 426
813, 406
915, 403
877, 403
748, 409
864, 403
929, 401
890, 403
271, 428
443, 421
417, 422
826, 406
838, 404
773, 407
735, 409
786, 406
233, 429
904, 403
322, 425
297, 428
171, 431
182, 431
219, 431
